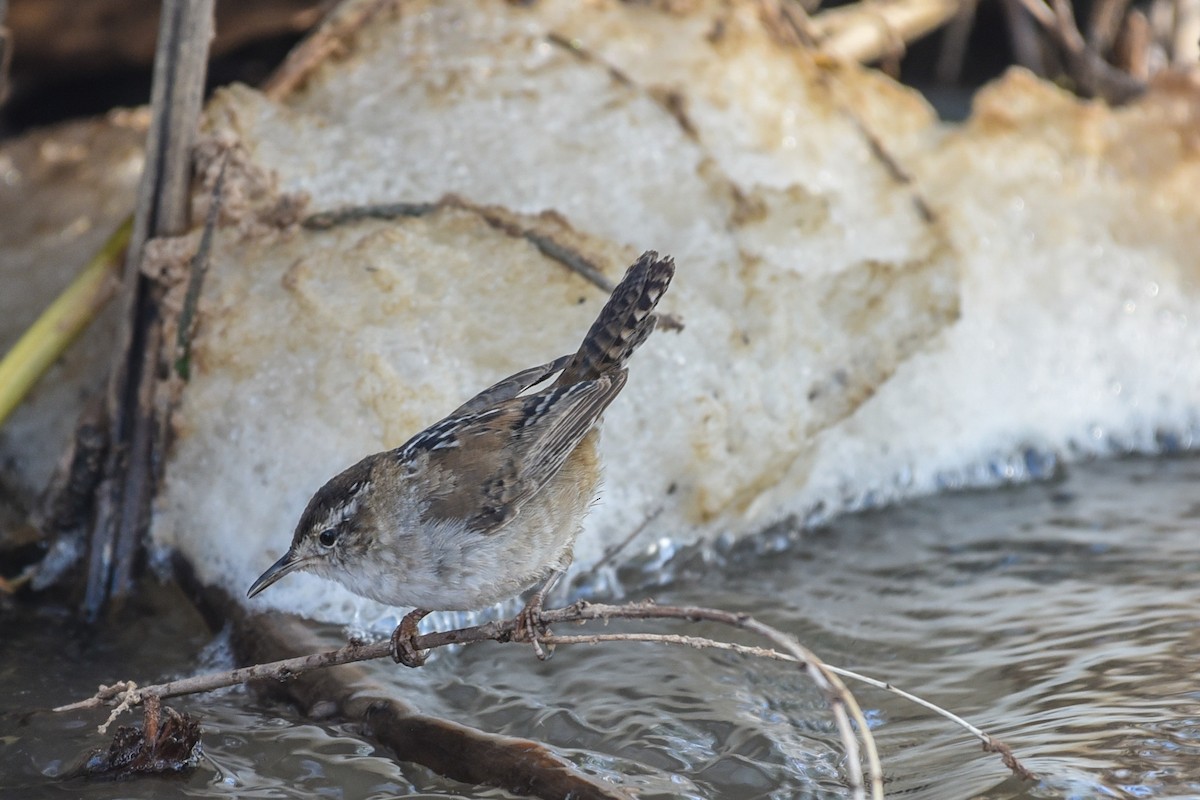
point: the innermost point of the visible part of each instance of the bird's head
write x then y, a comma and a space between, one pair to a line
334, 531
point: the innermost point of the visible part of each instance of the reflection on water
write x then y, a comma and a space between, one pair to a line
1063, 618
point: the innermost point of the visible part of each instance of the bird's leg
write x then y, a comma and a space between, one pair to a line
403, 650
529, 624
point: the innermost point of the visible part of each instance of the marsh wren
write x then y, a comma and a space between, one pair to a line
487, 502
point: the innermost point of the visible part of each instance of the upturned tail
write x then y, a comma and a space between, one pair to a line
624, 323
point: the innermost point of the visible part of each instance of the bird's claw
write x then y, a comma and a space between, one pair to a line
404, 651
530, 628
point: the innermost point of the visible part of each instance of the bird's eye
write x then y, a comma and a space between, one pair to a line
328, 536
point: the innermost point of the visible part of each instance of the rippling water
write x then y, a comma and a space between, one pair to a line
1062, 617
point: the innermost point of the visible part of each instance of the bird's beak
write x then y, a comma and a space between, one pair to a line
289, 563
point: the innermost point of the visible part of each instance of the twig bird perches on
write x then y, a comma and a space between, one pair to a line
489, 501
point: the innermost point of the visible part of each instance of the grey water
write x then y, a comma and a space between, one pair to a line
1062, 617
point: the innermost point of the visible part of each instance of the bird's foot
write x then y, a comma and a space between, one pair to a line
530, 627
404, 651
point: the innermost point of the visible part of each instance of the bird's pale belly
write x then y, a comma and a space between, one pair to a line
461, 567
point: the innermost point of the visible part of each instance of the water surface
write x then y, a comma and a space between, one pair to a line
1063, 617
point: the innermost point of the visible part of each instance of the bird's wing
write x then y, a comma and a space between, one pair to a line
487, 464
510, 387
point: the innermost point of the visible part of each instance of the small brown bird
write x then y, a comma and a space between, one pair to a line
489, 501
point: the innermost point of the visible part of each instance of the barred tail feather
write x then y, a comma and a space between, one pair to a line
624, 323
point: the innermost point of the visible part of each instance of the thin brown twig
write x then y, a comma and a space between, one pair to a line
1088, 67
512, 224
127, 694
1026, 44
1132, 48
196, 274
954, 44
842, 703
329, 39
1104, 24
1041, 12
1068, 31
